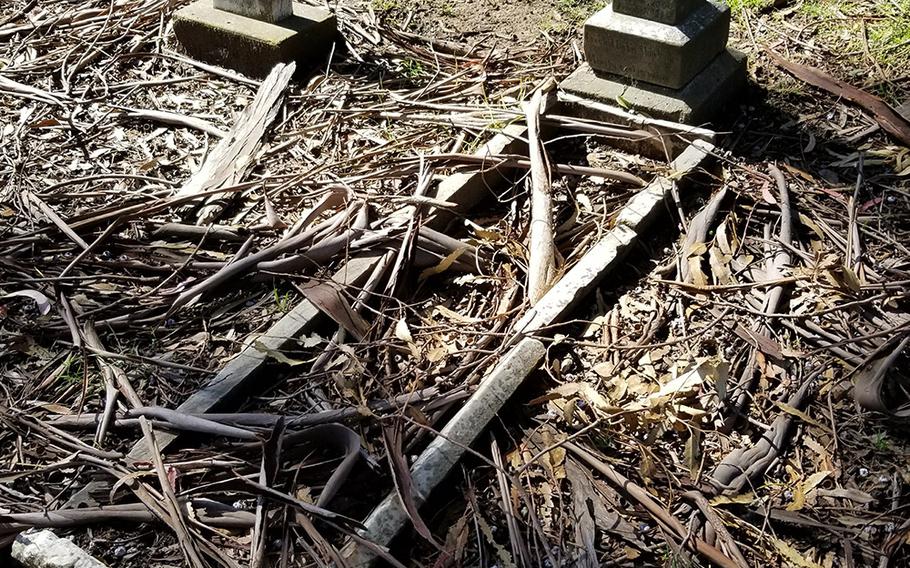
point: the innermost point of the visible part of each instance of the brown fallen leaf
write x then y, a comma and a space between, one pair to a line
873, 389
330, 299
401, 475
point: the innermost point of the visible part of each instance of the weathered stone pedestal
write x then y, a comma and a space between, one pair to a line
667, 59
251, 36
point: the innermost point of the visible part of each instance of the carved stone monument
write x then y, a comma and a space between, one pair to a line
251, 36
667, 59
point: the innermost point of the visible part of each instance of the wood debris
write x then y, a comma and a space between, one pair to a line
277, 323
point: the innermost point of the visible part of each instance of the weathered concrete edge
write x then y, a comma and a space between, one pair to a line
644, 207
466, 189
233, 377
435, 463
43, 549
632, 221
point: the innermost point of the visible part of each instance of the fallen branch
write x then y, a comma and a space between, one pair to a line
886, 116
541, 247
175, 119
234, 155
514, 161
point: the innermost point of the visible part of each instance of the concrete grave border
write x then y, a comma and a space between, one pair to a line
670, 138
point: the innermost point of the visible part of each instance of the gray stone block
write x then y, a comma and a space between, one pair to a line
44, 549
251, 46
696, 103
264, 10
669, 139
657, 53
664, 11
646, 206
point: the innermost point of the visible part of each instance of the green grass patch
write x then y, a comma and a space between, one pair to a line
577, 11
737, 6
385, 5
865, 42
411, 69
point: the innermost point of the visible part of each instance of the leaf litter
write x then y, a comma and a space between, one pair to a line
701, 410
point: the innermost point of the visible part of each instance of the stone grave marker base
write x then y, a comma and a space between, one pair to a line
695, 103
252, 46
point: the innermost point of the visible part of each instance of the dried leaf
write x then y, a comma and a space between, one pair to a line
799, 499
792, 555
587, 392
696, 275
854, 495
44, 303
689, 382
401, 474
52, 407
886, 116
271, 216
693, 453
744, 499
604, 369
801, 415
814, 480
720, 266
455, 316
851, 279
766, 194
329, 299
443, 265
276, 354
403, 333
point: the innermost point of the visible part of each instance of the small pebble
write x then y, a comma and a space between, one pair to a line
863, 472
